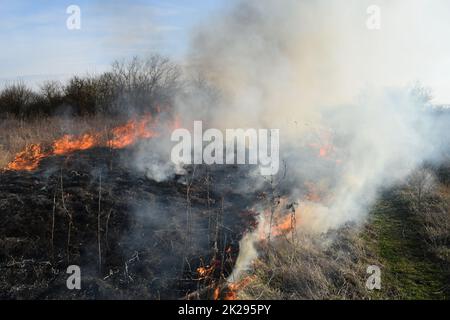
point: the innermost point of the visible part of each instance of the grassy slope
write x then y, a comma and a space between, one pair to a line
392, 240
408, 270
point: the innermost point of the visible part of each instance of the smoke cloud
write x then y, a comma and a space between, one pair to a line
351, 119
314, 70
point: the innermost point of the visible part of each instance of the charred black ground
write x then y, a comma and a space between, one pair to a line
132, 236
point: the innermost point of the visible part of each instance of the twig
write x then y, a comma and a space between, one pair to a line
107, 228
69, 215
98, 225
188, 215
53, 226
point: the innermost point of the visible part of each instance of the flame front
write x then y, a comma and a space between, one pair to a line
69, 143
285, 225
28, 159
132, 131
122, 136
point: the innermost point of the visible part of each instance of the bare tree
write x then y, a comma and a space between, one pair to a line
140, 82
16, 98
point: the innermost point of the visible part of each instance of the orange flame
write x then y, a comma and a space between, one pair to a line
282, 221
205, 272
325, 150
324, 144
132, 131
28, 159
69, 143
285, 225
233, 288
216, 293
122, 136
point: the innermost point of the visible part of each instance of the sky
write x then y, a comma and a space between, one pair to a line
38, 46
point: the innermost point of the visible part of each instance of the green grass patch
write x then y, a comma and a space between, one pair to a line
409, 271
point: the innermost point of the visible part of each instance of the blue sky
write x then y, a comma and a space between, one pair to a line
36, 44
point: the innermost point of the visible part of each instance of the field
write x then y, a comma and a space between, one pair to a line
406, 234
85, 179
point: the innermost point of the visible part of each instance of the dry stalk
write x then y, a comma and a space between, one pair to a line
98, 225
53, 227
69, 215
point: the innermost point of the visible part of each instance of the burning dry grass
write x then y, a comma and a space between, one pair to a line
28, 142
17, 135
291, 266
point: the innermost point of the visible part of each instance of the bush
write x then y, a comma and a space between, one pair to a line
16, 99
429, 201
145, 84
137, 85
81, 95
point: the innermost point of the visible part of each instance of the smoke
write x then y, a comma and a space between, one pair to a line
314, 70
247, 252
151, 158
352, 119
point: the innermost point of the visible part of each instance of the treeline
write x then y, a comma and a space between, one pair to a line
135, 85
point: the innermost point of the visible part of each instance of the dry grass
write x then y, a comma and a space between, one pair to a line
311, 268
429, 201
332, 267
404, 241
16, 134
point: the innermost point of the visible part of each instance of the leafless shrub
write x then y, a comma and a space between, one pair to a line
419, 188
430, 202
16, 99
139, 84
437, 227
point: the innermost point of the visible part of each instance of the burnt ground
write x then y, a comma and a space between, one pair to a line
133, 238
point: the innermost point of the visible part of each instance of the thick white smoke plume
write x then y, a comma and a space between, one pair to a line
351, 119
314, 70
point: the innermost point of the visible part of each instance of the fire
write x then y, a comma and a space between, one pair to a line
132, 131
233, 288
230, 291
285, 225
283, 220
204, 272
325, 150
122, 136
28, 159
324, 144
216, 293
69, 143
